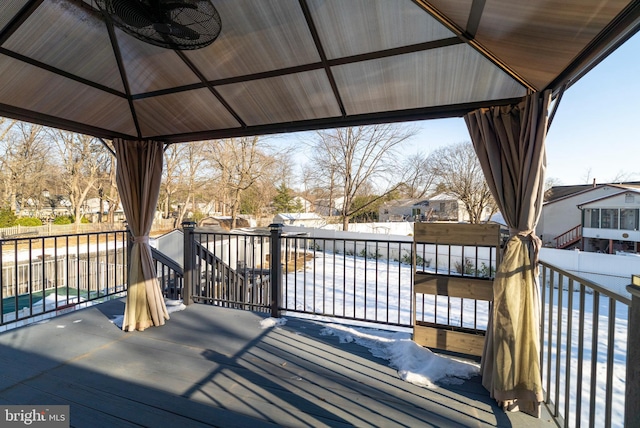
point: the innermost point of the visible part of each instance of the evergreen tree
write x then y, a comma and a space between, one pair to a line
284, 201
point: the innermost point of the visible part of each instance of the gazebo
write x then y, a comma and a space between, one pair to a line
137, 73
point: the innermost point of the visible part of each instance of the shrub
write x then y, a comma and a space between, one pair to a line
63, 219
485, 271
467, 269
69, 219
7, 217
376, 255
197, 216
28, 221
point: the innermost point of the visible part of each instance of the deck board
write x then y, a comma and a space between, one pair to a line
211, 366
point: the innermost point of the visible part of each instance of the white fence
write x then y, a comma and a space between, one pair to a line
610, 271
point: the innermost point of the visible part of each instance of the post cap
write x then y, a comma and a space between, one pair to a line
188, 224
275, 227
634, 290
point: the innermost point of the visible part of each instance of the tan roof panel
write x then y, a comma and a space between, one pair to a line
182, 112
55, 96
282, 99
356, 27
289, 65
68, 39
422, 79
257, 36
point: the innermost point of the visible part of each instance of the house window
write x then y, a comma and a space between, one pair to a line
592, 218
609, 218
629, 199
629, 219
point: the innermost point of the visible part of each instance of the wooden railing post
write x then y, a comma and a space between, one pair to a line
632, 394
275, 268
188, 262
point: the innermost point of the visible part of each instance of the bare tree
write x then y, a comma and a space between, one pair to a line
353, 158
419, 177
241, 163
107, 187
587, 176
190, 171
24, 159
83, 159
460, 174
173, 156
550, 182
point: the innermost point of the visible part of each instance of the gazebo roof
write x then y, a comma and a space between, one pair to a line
290, 65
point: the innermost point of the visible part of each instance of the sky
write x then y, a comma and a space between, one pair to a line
595, 132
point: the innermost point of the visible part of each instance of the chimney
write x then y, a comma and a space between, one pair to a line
594, 182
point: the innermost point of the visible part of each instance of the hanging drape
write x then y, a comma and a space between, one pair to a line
509, 142
138, 175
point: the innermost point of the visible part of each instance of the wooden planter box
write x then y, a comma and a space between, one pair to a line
444, 337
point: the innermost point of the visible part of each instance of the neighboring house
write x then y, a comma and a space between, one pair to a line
441, 207
447, 207
610, 223
300, 219
328, 208
403, 210
562, 219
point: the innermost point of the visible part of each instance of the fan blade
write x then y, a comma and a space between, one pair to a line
132, 13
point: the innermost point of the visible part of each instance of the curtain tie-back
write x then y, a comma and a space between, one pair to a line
141, 240
529, 235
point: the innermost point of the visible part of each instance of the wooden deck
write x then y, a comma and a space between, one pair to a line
211, 366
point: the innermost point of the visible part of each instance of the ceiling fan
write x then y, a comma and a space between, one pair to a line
172, 24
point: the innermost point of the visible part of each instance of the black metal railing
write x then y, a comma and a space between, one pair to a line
170, 275
584, 349
362, 280
228, 269
42, 276
356, 279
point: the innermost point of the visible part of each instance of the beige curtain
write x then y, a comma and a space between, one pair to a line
138, 174
509, 142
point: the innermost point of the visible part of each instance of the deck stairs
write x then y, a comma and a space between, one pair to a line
569, 238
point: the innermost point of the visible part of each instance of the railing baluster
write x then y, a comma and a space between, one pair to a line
594, 358
610, 346
580, 357
567, 365
558, 346
552, 277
